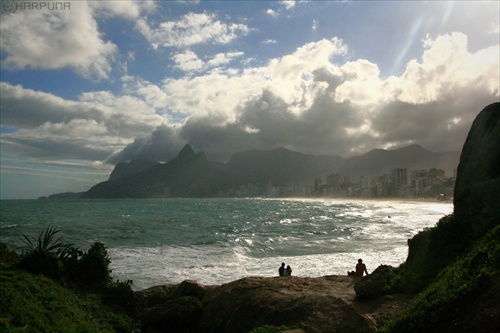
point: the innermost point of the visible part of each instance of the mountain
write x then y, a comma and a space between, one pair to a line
188, 175
133, 167
251, 172
280, 166
379, 161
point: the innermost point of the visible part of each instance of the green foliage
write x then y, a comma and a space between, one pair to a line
453, 302
449, 238
270, 329
446, 241
8, 258
45, 255
35, 303
119, 295
49, 256
93, 267
46, 243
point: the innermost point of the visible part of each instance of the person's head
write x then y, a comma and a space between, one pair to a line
360, 261
282, 264
288, 267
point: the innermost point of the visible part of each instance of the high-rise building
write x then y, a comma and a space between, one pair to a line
399, 179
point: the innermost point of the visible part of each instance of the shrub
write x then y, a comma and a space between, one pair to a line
120, 296
270, 329
8, 257
46, 254
93, 267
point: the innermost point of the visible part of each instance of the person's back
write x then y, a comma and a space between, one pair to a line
281, 270
360, 268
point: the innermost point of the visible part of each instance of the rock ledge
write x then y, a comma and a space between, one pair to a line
321, 304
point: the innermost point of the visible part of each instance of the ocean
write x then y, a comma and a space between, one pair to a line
215, 241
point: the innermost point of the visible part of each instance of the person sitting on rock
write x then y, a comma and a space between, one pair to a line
361, 268
282, 269
288, 271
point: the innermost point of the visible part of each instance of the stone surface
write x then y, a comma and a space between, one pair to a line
373, 285
314, 305
177, 314
477, 189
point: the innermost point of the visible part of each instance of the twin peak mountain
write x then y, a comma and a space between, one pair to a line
254, 171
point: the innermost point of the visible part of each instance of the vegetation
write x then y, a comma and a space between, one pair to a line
270, 329
55, 287
456, 297
36, 303
433, 249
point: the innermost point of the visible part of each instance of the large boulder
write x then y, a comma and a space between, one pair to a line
313, 305
373, 285
310, 303
477, 189
177, 315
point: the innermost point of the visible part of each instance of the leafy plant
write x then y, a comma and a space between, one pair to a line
93, 267
270, 329
45, 254
46, 243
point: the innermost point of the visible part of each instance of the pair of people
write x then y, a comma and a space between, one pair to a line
285, 271
360, 269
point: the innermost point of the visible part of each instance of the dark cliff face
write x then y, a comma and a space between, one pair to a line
476, 197
134, 167
477, 189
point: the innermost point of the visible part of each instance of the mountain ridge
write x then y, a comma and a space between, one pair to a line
191, 174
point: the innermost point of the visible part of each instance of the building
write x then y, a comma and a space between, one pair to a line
399, 181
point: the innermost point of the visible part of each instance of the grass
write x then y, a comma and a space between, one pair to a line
463, 297
270, 329
54, 287
35, 303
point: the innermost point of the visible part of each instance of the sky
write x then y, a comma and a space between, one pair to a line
87, 84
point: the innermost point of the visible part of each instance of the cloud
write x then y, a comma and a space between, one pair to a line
288, 4
191, 29
162, 145
272, 12
90, 128
310, 100
54, 39
269, 41
306, 102
315, 25
188, 61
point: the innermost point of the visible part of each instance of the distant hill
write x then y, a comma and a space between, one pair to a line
280, 166
64, 196
379, 161
193, 175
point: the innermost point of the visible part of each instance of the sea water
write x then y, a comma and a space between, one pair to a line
215, 241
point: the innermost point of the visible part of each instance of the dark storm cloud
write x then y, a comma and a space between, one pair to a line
161, 145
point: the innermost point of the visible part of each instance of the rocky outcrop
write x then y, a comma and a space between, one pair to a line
477, 189
131, 168
373, 285
322, 304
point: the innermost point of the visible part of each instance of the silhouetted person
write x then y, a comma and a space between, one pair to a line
282, 269
288, 271
361, 268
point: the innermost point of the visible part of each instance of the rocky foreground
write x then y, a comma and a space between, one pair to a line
322, 304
